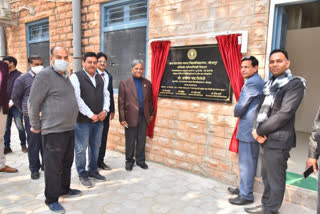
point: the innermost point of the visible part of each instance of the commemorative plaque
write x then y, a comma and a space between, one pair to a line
196, 73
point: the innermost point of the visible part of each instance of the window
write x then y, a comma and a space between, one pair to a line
123, 36
38, 40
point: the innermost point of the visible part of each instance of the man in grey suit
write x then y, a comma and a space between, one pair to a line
248, 148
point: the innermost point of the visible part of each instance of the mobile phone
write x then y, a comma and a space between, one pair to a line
308, 171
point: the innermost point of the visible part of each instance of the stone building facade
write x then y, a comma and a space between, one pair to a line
191, 135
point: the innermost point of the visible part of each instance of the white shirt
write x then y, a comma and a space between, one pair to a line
105, 77
83, 108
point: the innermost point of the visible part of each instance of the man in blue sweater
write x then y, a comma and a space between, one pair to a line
20, 96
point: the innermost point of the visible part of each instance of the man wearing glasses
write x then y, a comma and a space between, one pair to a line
107, 78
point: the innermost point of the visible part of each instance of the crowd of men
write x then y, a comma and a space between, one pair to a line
67, 117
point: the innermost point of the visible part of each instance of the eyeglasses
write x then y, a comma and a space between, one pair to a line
102, 61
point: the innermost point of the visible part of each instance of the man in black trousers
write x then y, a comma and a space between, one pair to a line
52, 94
107, 78
274, 129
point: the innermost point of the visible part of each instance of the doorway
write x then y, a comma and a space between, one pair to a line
297, 29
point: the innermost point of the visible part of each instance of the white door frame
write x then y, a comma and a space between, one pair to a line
273, 5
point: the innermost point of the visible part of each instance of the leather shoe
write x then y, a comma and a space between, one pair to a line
255, 210
104, 166
7, 150
239, 200
234, 191
24, 149
143, 165
35, 175
8, 169
129, 166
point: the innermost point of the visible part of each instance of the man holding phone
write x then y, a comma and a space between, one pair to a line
313, 153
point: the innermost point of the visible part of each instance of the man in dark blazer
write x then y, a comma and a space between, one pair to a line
135, 112
107, 78
248, 147
274, 129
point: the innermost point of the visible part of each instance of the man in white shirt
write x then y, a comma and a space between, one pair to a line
93, 100
107, 78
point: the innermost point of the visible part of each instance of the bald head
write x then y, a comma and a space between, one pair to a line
54, 49
59, 54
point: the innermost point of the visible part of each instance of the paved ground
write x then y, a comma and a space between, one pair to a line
157, 190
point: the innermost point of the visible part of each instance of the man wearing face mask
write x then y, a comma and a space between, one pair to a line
20, 96
52, 93
14, 112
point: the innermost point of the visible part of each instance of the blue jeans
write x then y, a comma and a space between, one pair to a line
16, 114
34, 146
87, 134
248, 158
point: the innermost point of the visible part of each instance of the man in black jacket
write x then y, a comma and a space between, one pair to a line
274, 129
14, 112
107, 78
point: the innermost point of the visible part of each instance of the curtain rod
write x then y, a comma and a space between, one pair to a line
244, 37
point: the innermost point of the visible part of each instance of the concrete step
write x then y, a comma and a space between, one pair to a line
297, 195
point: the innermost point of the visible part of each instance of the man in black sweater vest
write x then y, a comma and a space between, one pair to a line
93, 100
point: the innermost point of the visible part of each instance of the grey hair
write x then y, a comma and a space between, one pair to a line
136, 62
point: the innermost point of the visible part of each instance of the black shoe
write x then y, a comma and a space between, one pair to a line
129, 166
97, 176
104, 166
35, 175
143, 165
239, 200
7, 150
255, 210
24, 149
234, 191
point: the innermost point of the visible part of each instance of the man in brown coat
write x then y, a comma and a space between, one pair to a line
135, 112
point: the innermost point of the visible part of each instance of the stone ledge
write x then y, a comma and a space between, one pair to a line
297, 195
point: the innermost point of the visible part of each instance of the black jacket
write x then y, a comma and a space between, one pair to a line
279, 127
110, 89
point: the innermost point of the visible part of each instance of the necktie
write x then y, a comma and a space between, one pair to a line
102, 75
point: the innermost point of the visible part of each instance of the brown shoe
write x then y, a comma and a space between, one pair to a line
7, 150
8, 169
24, 149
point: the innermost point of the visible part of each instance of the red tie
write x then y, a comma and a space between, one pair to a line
102, 74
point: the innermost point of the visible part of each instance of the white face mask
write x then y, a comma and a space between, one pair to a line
36, 69
60, 65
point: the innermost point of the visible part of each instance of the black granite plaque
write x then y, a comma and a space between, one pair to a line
196, 73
